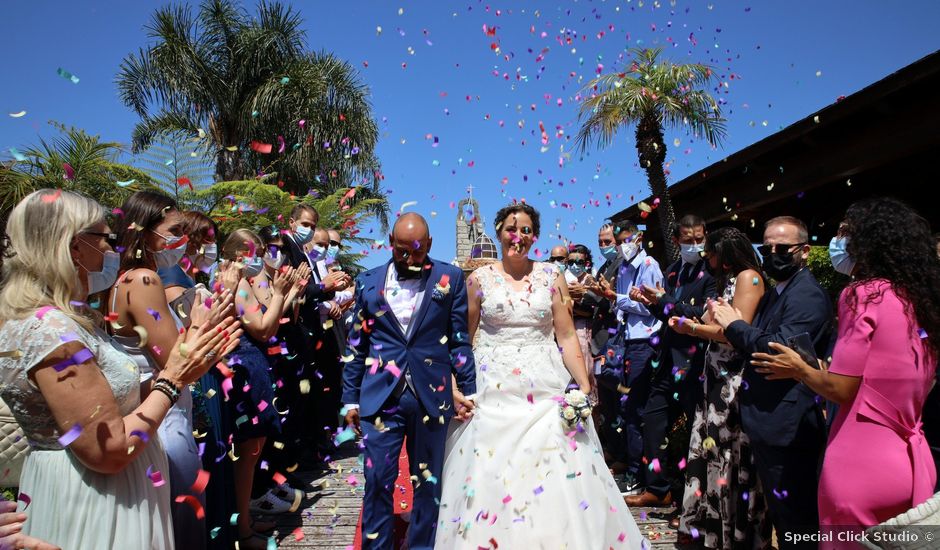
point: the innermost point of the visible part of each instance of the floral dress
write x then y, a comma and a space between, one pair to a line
723, 505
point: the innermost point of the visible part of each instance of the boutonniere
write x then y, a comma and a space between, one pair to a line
442, 288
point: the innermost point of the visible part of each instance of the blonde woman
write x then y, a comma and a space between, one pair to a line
95, 476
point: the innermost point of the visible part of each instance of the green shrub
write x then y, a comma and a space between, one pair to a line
822, 269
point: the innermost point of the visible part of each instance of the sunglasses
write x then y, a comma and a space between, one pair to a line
335, 243
579, 262
556, 259
767, 249
110, 238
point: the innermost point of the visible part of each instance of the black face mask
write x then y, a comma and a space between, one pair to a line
780, 265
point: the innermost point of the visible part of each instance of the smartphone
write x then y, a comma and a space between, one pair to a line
802, 344
183, 305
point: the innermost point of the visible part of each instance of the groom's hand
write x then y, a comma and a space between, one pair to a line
352, 420
463, 406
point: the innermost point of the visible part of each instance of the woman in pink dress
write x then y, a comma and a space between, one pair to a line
877, 463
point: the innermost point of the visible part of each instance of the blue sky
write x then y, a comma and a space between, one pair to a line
434, 73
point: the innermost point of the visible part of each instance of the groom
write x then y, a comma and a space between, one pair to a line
410, 336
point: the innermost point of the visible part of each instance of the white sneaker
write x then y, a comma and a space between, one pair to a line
289, 495
268, 503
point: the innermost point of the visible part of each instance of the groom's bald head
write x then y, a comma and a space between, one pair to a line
410, 241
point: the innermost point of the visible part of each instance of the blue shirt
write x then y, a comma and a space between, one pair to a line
175, 276
632, 316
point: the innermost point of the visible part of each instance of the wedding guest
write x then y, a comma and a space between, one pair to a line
780, 416
583, 288
261, 302
150, 236
877, 463
95, 476
201, 254
559, 256
675, 388
330, 372
722, 503
624, 382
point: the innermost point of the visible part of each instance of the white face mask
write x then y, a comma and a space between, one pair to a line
691, 253
104, 279
274, 262
318, 252
628, 250
168, 257
204, 260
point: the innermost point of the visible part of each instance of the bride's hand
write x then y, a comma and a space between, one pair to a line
463, 406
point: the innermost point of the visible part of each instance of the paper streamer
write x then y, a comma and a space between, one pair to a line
68, 437
202, 479
194, 503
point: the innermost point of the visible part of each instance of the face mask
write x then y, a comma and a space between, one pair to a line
780, 266
562, 266
691, 253
628, 251
104, 279
609, 252
168, 257
203, 261
253, 266
318, 252
331, 254
274, 262
576, 269
303, 234
841, 261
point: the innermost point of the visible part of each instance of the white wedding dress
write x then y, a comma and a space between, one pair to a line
512, 475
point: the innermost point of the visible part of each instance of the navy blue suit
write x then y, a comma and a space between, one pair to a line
436, 345
781, 417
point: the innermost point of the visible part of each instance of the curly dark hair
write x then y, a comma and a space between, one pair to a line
889, 240
515, 208
733, 249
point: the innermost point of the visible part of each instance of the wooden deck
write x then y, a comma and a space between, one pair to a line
328, 517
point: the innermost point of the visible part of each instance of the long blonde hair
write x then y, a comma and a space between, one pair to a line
40, 271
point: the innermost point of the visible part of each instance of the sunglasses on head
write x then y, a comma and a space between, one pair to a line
767, 249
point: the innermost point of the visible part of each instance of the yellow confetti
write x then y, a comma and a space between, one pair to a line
305, 386
232, 148
443, 339
18, 115
328, 324
13, 354
708, 443
142, 332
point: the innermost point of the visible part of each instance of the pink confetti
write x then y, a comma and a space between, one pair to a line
202, 479
25, 499
682, 464
506, 499
42, 311
194, 503
396, 372
155, 477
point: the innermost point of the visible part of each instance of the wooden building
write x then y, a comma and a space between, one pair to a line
883, 140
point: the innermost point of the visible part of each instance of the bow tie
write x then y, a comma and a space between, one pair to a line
409, 274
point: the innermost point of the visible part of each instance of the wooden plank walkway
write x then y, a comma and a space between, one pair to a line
329, 514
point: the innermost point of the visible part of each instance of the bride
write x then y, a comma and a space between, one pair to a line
514, 475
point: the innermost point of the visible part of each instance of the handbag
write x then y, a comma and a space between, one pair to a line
13, 448
918, 528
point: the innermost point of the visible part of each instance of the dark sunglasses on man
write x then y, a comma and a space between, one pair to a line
768, 249
556, 259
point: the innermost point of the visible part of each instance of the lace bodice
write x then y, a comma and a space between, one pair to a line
32, 339
513, 317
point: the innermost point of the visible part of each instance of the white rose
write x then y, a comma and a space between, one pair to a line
569, 413
585, 413
576, 398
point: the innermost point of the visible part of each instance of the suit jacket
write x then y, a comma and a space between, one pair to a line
313, 293
604, 323
772, 410
680, 350
437, 344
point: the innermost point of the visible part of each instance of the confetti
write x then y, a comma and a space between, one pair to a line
67, 75
18, 115
194, 503
70, 436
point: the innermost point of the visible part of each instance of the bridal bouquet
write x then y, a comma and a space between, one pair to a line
574, 408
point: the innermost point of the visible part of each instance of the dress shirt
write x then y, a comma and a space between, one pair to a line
637, 320
402, 296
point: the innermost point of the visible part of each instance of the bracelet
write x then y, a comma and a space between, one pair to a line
165, 387
693, 325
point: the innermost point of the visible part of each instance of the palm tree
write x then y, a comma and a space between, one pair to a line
265, 104
177, 162
75, 161
651, 95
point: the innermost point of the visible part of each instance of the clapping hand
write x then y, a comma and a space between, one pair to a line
682, 325
283, 280
576, 291
723, 313
636, 294
229, 274
651, 294
336, 280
